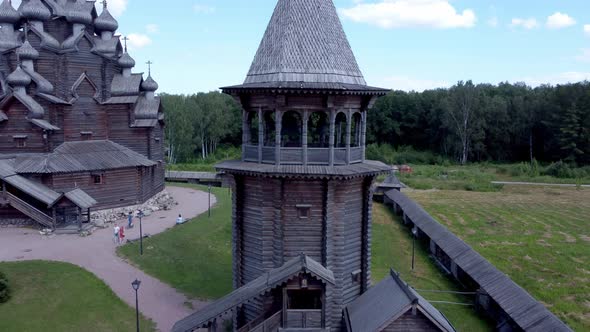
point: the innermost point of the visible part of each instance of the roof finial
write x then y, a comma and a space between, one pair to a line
149, 63
104, 4
125, 39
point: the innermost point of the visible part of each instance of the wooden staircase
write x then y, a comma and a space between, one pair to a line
30, 211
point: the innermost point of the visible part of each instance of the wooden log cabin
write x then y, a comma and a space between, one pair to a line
302, 192
78, 129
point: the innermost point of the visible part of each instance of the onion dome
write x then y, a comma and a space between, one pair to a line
149, 84
7, 13
18, 77
79, 14
126, 61
106, 22
35, 10
27, 52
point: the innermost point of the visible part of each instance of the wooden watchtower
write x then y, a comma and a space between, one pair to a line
303, 185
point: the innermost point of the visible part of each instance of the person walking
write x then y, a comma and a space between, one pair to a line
130, 220
121, 234
116, 239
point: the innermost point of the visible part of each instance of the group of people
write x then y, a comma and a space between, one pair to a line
119, 231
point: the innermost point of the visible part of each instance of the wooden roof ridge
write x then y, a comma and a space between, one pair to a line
528, 313
294, 47
385, 302
267, 281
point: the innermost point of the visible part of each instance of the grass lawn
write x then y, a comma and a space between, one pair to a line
473, 177
194, 258
392, 247
539, 236
50, 296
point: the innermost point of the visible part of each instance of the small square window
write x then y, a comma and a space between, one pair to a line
20, 142
356, 276
303, 211
97, 179
86, 135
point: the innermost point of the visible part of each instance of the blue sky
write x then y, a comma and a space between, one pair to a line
200, 45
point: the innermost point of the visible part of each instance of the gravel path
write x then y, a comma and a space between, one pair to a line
96, 253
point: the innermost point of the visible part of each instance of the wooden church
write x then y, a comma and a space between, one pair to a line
78, 129
302, 192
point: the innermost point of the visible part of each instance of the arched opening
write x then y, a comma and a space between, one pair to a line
318, 130
291, 136
253, 127
356, 127
340, 131
269, 129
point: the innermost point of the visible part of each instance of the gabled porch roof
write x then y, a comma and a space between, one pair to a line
266, 282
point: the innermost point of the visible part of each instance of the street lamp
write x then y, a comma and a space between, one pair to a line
209, 188
140, 215
135, 285
414, 235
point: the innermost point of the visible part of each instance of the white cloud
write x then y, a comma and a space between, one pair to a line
411, 84
527, 23
152, 28
560, 20
587, 29
493, 22
138, 40
116, 7
561, 78
390, 14
203, 9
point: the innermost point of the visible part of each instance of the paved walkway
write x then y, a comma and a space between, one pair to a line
96, 253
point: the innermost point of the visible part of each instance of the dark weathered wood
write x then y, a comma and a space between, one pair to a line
69, 99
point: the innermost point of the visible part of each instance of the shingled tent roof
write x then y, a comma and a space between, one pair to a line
305, 46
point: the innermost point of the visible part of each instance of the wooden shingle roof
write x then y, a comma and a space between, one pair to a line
304, 43
82, 156
386, 301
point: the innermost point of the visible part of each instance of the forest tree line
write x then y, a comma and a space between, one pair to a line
466, 123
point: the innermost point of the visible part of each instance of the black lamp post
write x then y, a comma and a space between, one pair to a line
414, 235
209, 210
135, 285
140, 215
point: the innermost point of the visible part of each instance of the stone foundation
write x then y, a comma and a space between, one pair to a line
161, 201
16, 222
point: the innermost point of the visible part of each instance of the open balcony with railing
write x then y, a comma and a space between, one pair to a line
326, 138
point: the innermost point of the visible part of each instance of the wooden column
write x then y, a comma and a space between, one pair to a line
332, 134
348, 135
245, 133
363, 134
304, 136
278, 129
79, 219
53, 214
260, 133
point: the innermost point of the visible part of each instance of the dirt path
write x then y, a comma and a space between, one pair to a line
539, 184
96, 253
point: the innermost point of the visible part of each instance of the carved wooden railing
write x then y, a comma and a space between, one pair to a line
304, 319
29, 210
271, 324
296, 156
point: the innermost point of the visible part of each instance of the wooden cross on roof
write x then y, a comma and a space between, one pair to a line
104, 4
125, 39
149, 63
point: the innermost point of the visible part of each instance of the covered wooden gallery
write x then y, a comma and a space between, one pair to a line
75, 122
504, 301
